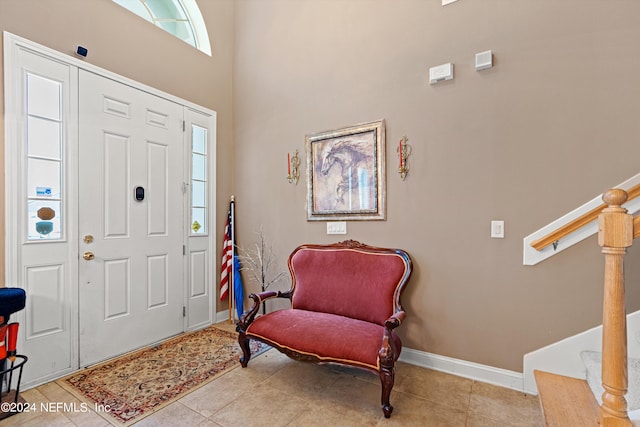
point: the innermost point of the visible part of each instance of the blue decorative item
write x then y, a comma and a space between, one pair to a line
44, 227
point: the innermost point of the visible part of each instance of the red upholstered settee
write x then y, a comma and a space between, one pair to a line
345, 304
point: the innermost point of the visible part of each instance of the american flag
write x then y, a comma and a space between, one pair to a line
227, 259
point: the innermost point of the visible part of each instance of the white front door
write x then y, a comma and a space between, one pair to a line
79, 149
131, 208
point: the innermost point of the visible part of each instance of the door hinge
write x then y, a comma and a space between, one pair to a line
184, 311
184, 126
184, 250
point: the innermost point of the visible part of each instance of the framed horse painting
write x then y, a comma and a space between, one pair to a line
346, 173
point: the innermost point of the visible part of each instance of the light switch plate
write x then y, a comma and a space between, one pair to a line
337, 227
497, 229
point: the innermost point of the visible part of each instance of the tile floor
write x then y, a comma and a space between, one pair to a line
277, 391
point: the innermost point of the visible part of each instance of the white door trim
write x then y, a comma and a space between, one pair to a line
14, 139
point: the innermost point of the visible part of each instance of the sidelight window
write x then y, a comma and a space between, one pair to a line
198, 180
44, 158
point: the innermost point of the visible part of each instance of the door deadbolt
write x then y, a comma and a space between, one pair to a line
88, 256
88, 238
139, 193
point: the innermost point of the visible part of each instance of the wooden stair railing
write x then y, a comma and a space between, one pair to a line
616, 231
578, 223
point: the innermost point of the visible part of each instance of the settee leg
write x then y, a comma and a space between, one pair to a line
387, 376
246, 350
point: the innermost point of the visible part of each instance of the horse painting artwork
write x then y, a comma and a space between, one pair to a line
345, 173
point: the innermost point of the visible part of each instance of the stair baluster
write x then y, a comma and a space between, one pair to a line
615, 235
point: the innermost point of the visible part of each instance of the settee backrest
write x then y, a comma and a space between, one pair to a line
349, 279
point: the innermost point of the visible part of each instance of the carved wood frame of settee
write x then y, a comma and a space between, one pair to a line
385, 317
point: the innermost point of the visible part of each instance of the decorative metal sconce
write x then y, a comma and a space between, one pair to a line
293, 168
404, 151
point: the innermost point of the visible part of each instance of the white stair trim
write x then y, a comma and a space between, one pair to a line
532, 256
563, 357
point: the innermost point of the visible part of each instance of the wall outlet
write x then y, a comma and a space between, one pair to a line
337, 227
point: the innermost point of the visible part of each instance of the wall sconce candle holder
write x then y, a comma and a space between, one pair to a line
293, 168
404, 151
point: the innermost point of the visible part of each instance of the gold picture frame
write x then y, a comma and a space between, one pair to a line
346, 173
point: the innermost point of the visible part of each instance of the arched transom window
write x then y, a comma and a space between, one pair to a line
182, 18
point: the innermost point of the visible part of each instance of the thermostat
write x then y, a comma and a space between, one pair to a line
441, 72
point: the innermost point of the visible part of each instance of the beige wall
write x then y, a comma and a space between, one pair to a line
125, 44
525, 142
553, 124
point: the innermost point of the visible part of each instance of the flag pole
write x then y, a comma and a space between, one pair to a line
232, 231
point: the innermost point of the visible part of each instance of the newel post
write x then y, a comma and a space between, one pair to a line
615, 235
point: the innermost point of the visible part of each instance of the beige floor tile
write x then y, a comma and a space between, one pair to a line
261, 406
214, 396
476, 420
263, 366
231, 327
175, 414
277, 391
410, 410
33, 398
55, 393
41, 420
507, 406
323, 414
348, 393
80, 414
433, 385
309, 378
39, 412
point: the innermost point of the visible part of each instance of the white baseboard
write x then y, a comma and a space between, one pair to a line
221, 316
463, 368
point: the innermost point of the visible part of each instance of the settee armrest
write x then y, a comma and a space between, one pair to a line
258, 299
388, 349
395, 320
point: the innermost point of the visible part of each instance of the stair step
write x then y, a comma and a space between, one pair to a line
566, 401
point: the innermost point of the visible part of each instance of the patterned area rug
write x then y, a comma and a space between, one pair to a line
137, 384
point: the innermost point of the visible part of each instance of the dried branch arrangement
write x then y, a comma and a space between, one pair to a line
260, 261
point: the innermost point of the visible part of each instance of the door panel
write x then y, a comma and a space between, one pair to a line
116, 182
157, 159
39, 114
131, 292
201, 136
